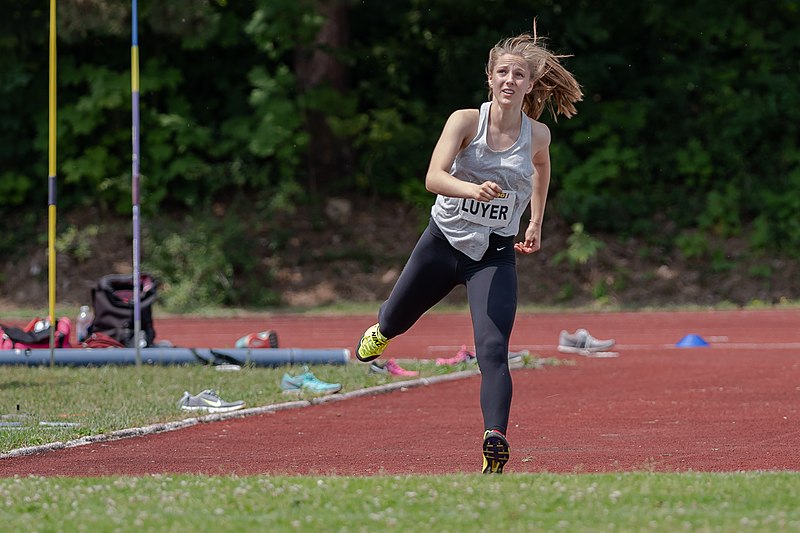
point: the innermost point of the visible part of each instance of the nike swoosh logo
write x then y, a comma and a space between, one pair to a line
217, 403
501, 249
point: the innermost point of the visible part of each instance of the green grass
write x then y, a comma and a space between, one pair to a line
515, 502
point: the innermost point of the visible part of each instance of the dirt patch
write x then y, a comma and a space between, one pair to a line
353, 250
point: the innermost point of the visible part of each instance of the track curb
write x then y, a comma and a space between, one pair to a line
242, 413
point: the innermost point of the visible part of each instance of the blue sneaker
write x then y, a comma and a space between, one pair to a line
307, 382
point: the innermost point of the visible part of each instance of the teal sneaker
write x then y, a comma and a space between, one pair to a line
371, 345
307, 382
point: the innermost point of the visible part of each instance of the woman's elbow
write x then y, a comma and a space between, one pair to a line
430, 183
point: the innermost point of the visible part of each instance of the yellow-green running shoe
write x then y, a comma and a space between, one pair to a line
495, 452
371, 345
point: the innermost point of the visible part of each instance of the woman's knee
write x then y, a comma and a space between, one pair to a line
493, 350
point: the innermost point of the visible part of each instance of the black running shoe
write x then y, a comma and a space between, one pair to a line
495, 452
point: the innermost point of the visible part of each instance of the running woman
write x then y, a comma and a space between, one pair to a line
488, 165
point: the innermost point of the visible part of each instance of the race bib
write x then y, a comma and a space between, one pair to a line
494, 214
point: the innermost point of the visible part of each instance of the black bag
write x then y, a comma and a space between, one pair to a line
112, 302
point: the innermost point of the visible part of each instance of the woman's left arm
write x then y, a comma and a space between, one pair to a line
541, 184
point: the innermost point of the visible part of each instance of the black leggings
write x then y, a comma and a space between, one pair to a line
433, 270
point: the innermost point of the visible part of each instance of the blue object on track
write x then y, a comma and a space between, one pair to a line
692, 341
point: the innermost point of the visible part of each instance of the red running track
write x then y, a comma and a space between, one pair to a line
727, 407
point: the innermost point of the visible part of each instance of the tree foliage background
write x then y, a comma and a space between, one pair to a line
689, 127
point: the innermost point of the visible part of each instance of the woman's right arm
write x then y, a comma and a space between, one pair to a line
459, 130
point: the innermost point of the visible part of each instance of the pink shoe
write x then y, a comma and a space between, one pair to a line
462, 356
395, 369
261, 339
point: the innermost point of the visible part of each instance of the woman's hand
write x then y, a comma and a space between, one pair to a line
533, 239
487, 191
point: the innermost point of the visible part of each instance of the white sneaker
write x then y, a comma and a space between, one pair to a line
581, 342
209, 401
517, 359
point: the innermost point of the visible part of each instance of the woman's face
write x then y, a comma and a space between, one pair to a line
510, 79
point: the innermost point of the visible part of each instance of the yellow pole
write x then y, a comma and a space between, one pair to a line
51, 186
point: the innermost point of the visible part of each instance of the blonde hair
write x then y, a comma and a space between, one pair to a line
554, 87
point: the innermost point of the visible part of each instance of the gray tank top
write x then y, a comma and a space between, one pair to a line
512, 169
